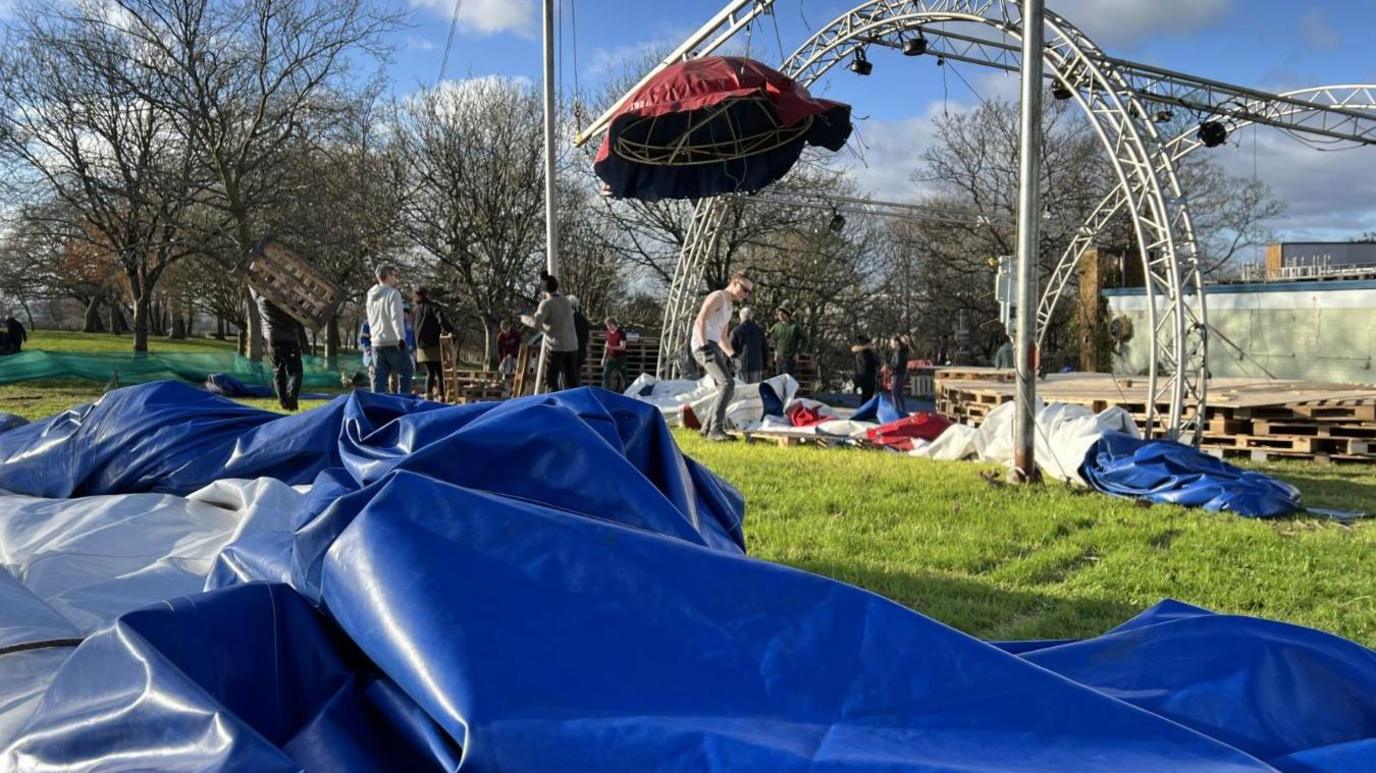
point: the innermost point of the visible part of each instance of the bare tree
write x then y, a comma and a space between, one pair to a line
245, 79
72, 114
473, 159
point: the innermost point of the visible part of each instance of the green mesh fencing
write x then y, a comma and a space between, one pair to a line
138, 368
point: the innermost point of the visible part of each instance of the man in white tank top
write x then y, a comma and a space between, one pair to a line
712, 349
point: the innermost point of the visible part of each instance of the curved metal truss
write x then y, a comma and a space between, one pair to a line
1156, 206
1295, 105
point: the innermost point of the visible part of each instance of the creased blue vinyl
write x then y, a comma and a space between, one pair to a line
1168, 472
548, 584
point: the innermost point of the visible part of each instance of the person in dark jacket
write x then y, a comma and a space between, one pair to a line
866, 367
898, 372
430, 324
748, 341
284, 336
15, 334
583, 330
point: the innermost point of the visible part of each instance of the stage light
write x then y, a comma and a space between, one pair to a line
838, 221
860, 65
915, 46
1163, 116
1212, 134
1061, 91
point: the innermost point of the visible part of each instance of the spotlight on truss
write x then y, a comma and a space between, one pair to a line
915, 46
1212, 134
838, 221
861, 65
1163, 116
1061, 91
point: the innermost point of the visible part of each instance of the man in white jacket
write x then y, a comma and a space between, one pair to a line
387, 327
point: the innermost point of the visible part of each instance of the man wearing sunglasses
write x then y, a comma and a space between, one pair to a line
712, 350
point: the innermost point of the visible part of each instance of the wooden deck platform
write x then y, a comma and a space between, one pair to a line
1252, 418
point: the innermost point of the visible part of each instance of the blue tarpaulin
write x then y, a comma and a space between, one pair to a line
879, 409
1168, 472
548, 584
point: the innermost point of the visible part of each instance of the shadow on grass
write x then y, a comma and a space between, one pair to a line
982, 608
1344, 488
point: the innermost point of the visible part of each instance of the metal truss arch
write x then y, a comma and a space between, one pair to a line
1295, 106
1156, 205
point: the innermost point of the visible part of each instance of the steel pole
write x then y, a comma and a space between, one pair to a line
1029, 232
551, 192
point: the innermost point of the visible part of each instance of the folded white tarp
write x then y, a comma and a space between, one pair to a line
745, 411
71, 566
1064, 435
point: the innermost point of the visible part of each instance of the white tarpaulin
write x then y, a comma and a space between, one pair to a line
1064, 435
71, 566
745, 411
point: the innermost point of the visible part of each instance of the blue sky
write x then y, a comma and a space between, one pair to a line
1262, 43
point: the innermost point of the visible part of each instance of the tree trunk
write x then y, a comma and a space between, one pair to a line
490, 343
118, 326
91, 323
332, 343
178, 331
241, 342
254, 350
142, 309
219, 328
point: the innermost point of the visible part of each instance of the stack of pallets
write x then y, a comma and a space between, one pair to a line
1337, 429
465, 385
1256, 419
642, 355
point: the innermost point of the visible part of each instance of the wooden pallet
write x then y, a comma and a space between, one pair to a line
789, 440
292, 284
642, 356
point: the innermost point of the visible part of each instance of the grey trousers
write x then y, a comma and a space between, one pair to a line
752, 376
714, 361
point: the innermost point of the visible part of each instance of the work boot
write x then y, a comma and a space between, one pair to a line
719, 437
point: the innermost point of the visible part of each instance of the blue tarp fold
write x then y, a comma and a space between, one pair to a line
548, 584
1167, 472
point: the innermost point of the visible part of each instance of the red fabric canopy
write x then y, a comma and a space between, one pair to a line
684, 99
710, 80
900, 434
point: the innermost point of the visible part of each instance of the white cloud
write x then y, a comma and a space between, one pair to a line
1125, 22
1318, 33
414, 43
1329, 195
882, 155
488, 17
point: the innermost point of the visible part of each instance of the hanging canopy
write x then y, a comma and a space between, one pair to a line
714, 125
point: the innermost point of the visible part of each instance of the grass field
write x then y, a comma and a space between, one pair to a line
1010, 563
68, 341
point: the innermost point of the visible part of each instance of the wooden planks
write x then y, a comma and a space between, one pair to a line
1247, 418
292, 284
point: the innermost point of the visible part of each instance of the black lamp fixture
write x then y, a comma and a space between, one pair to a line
860, 65
1212, 134
915, 46
1163, 116
1061, 91
838, 221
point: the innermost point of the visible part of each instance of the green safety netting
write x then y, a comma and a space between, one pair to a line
139, 368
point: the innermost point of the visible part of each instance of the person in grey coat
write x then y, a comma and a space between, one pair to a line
554, 319
748, 341
284, 335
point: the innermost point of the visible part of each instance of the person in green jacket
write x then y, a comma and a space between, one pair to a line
788, 339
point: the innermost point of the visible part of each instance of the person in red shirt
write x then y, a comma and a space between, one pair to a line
614, 355
508, 344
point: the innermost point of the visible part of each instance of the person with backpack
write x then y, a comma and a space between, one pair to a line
430, 324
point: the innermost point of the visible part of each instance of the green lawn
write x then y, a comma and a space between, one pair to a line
69, 341
1004, 562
